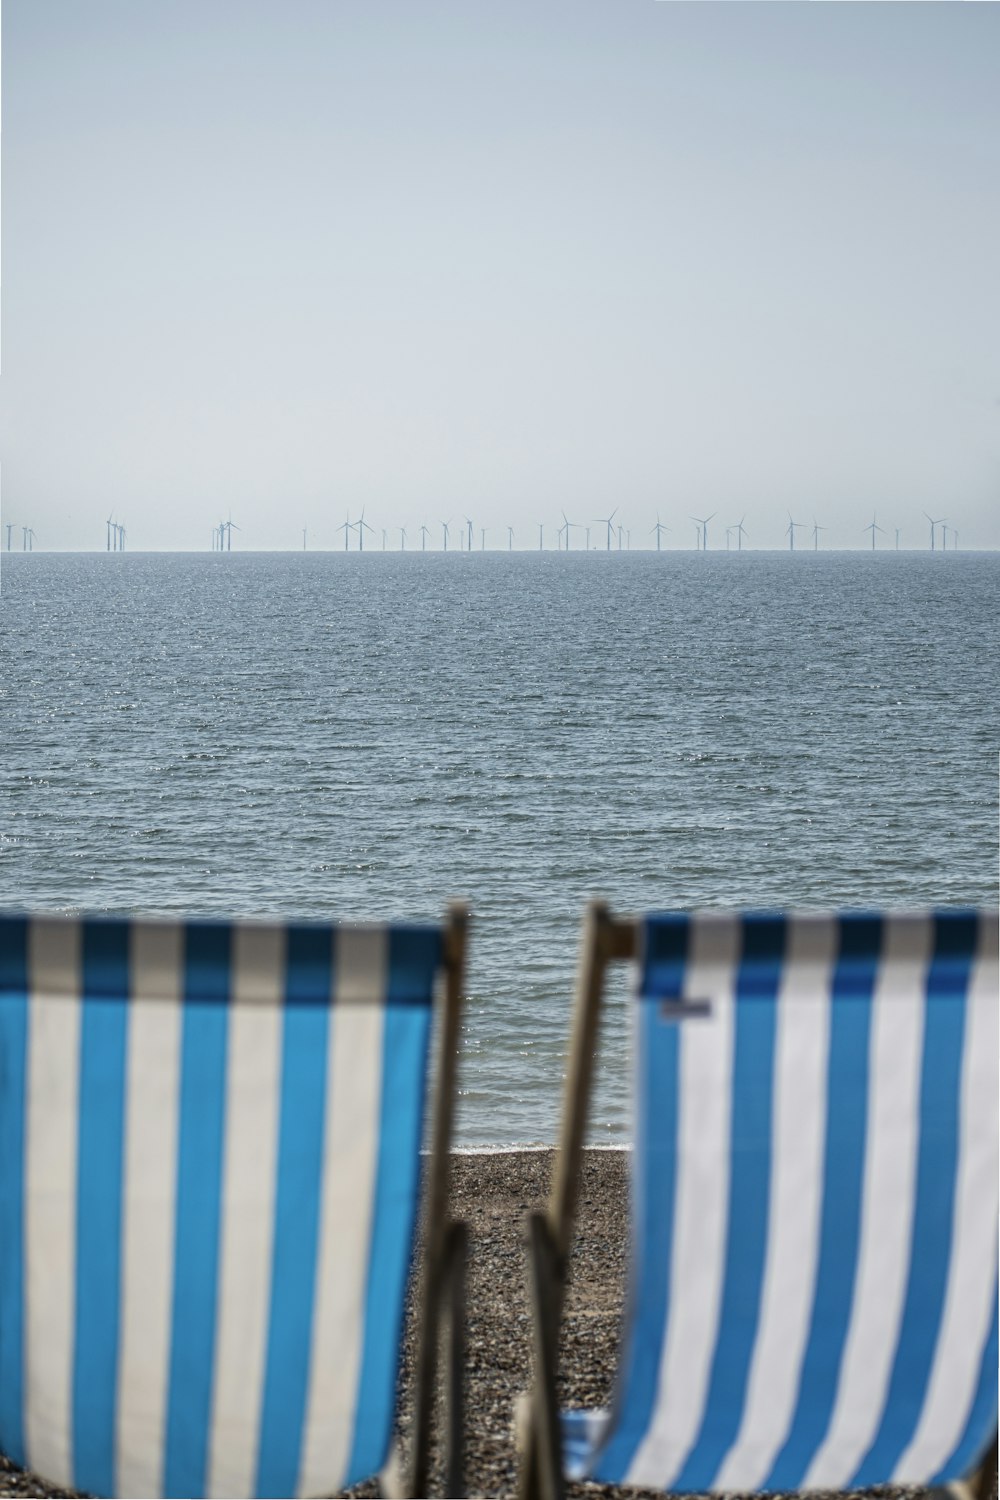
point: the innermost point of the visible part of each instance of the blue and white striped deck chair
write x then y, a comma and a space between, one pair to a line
210, 1139
813, 1292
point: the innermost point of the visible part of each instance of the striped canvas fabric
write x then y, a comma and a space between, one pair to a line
209, 1171
814, 1299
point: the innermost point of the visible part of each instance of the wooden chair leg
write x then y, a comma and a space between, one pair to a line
457, 1259
546, 1449
984, 1482
981, 1484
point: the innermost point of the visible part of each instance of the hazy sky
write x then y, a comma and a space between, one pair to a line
449, 259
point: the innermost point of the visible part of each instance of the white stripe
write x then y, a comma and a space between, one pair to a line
794, 1212
150, 1174
968, 1307
354, 1098
50, 1195
888, 1192
702, 1199
253, 1089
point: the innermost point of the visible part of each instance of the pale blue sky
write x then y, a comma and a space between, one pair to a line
448, 259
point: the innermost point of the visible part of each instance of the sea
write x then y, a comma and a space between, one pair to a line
365, 736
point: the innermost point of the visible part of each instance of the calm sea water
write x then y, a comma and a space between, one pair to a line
370, 735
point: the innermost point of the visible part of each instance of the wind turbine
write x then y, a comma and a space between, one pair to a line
588, 539
563, 528
939, 522
26, 532
444, 528
10, 528
510, 538
347, 527
873, 528
621, 528
108, 523
303, 538
423, 537
741, 532
790, 533
483, 531
897, 538
385, 538
606, 521
122, 534
402, 539
658, 528
363, 526
231, 526
469, 524
944, 537
703, 521
728, 530
540, 530
817, 528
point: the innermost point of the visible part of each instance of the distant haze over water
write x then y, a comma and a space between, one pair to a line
364, 737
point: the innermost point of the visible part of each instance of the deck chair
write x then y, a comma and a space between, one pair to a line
813, 1285
210, 1163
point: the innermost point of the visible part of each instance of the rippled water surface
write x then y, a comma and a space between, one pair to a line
370, 735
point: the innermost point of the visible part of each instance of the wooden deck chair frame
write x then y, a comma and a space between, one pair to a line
606, 939
442, 1293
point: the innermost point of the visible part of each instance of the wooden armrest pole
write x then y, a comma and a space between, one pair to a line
603, 939
437, 1226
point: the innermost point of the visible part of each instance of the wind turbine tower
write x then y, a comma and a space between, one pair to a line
702, 523
741, 532
817, 528
939, 522
606, 521
423, 537
402, 539
363, 526
469, 524
658, 528
510, 538
444, 528
790, 533
10, 528
873, 528
540, 530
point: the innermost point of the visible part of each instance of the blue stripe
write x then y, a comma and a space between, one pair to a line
843, 1174
665, 952
981, 1426
13, 1068
297, 1205
955, 936
757, 983
404, 1088
100, 1145
199, 1186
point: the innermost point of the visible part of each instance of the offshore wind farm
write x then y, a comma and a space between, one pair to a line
613, 536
